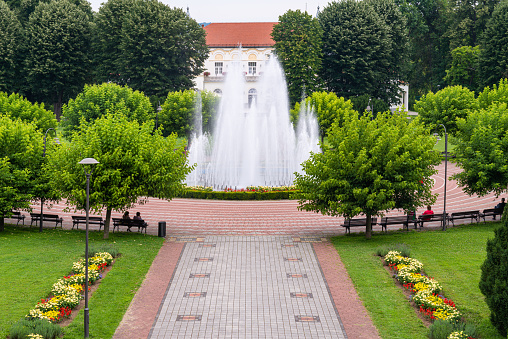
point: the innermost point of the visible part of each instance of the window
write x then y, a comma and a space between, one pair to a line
218, 68
253, 95
252, 68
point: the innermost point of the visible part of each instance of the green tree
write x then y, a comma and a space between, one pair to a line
16, 107
445, 107
98, 100
107, 41
494, 52
134, 164
57, 64
178, 111
327, 107
498, 93
11, 49
369, 167
21, 161
482, 152
298, 45
494, 278
162, 49
362, 102
464, 66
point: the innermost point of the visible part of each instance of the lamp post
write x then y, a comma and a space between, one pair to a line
159, 108
43, 156
370, 109
445, 175
91, 162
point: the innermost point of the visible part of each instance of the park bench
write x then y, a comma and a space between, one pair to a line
348, 223
404, 220
36, 217
491, 212
431, 218
473, 215
17, 215
140, 224
81, 219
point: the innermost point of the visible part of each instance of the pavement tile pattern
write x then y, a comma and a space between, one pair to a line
248, 290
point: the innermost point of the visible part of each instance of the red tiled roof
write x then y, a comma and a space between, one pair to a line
231, 34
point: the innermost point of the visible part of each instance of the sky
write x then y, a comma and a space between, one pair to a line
237, 10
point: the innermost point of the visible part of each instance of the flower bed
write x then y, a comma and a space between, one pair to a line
249, 193
66, 292
425, 290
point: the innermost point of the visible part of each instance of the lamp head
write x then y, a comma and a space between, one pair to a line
88, 161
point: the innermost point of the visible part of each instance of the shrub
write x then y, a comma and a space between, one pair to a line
239, 195
403, 249
16, 107
440, 329
494, 278
110, 248
24, 327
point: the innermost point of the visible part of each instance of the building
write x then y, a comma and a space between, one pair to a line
251, 44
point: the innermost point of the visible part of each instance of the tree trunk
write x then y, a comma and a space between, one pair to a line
106, 223
368, 227
57, 105
2, 223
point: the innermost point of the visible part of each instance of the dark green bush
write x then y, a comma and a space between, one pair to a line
221, 195
494, 278
404, 250
440, 329
24, 327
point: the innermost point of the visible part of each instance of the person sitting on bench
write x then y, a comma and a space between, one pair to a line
138, 217
500, 207
429, 211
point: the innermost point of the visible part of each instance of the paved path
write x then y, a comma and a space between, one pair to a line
247, 287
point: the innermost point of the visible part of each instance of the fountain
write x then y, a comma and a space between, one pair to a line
256, 145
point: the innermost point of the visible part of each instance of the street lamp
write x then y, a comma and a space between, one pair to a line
91, 162
370, 109
159, 108
44, 155
445, 174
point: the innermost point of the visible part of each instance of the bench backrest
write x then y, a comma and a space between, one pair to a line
359, 222
465, 213
403, 218
80, 217
431, 217
493, 210
45, 216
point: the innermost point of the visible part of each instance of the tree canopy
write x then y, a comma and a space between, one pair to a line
58, 61
134, 164
370, 167
98, 100
11, 49
298, 45
16, 107
464, 67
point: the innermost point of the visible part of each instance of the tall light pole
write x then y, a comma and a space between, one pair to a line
445, 175
370, 109
91, 162
43, 156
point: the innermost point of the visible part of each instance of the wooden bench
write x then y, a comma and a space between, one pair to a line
348, 223
36, 217
140, 224
473, 215
404, 220
17, 215
431, 218
81, 219
491, 212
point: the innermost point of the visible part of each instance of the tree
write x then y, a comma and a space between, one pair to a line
162, 49
327, 107
21, 161
358, 45
493, 281
58, 61
445, 107
369, 167
98, 100
494, 53
134, 164
498, 93
360, 104
178, 110
298, 45
463, 70
482, 152
16, 107
11, 49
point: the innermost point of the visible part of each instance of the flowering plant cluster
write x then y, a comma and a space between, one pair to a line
263, 189
426, 290
200, 188
459, 335
66, 292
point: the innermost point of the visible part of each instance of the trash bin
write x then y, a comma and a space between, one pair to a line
162, 229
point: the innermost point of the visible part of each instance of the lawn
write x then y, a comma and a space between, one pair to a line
32, 262
452, 257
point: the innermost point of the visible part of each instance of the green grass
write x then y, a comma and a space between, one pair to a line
452, 257
32, 262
